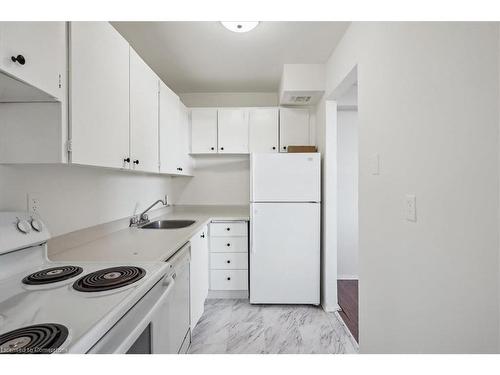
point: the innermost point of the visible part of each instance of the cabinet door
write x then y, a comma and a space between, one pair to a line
143, 115
199, 275
99, 95
294, 128
41, 48
263, 129
186, 160
233, 131
203, 130
169, 130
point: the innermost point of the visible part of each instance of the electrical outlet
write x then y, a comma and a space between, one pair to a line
33, 203
411, 207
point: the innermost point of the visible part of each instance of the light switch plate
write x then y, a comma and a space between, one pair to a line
411, 207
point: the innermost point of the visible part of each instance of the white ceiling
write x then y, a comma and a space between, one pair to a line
205, 57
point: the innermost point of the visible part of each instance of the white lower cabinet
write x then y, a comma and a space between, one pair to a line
229, 256
199, 275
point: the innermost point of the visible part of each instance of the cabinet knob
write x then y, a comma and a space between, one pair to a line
212, 148
228, 278
126, 160
228, 261
136, 161
202, 235
284, 147
274, 147
222, 148
228, 229
228, 244
19, 59
179, 169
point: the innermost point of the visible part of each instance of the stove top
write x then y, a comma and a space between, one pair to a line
109, 278
35, 339
40, 309
52, 275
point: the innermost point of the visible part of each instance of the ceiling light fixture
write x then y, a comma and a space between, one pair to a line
240, 26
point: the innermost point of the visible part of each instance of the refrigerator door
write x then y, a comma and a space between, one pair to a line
285, 253
285, 177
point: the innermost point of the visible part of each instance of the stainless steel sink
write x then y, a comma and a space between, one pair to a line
168, 224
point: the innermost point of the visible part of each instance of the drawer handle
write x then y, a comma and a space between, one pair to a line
228, 244
228, 261
202, 235
228, 229
228, 279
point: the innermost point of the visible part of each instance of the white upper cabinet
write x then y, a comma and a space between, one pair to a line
233, 130
204, 130
35, 53
99, 96
143, 115
186, 162
294, 128
263, 129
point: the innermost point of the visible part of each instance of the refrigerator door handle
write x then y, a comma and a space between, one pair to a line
252, 217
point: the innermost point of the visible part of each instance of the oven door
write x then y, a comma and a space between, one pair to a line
135, 331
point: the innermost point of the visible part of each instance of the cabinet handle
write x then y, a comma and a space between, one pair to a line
228, 244
284, 147
179, 169
136, 161
274, 147
228, 229
126, 160
228, 279
212, 148
228, 261
19, 59
202, 235
222, 148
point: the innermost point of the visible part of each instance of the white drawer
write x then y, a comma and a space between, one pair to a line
228, 244
228, 229
229, 261
228, 279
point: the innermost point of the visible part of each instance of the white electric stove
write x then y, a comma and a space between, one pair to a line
55, 307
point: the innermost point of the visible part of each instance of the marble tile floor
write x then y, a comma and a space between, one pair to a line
233, 326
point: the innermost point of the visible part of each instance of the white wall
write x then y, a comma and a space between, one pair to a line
347, 193
75, 197
231, 99
219, 179
428, 105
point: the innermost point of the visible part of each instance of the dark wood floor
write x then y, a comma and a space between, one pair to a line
348, 301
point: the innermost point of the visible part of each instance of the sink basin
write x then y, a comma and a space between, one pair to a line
168, 224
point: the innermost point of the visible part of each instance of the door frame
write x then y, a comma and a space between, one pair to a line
329, 298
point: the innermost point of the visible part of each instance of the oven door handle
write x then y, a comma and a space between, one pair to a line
120, 344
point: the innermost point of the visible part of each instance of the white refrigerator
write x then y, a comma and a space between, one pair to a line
285, 196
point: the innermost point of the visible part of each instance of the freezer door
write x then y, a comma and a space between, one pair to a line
285, 177
285, 253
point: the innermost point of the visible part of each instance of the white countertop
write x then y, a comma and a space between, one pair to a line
144, 245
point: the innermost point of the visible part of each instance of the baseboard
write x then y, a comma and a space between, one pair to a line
227, 294
347, 277
330, 308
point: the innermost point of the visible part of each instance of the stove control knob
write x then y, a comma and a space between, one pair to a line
36, 225
23, 226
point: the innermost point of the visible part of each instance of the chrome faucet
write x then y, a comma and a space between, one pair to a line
142, 218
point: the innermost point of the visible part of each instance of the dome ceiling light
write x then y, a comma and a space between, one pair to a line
240, 26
